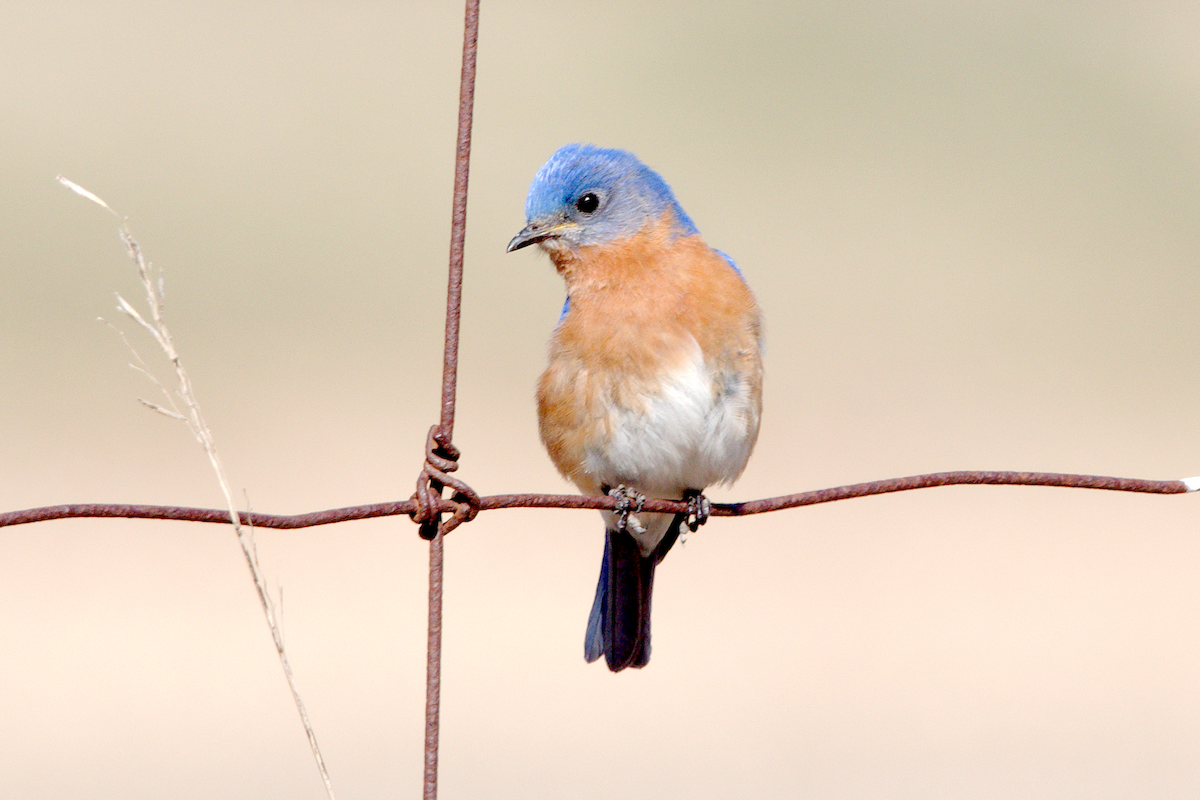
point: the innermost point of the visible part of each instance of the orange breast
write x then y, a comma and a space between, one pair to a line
639, 310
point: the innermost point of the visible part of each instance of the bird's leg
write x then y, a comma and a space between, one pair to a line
698, 511
629, 502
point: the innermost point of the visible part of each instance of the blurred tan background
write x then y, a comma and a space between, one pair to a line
974, 230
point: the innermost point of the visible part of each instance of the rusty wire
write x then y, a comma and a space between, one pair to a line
499, 501
441, 456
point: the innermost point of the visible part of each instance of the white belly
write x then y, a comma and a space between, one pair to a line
695, 431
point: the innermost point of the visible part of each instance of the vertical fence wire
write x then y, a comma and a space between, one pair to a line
458, 229
433, 664
433, 668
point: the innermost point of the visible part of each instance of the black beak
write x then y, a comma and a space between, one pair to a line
530, 234
536, 232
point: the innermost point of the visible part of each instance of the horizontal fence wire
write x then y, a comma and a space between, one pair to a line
499, 501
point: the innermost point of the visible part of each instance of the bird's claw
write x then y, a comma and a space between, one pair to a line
629, 503
698, 511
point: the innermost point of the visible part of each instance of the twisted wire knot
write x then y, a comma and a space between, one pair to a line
441, 458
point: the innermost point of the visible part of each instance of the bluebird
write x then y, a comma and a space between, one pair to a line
654, 386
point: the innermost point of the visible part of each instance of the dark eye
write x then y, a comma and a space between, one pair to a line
588, 203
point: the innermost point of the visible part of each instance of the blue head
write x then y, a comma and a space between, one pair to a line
587, 195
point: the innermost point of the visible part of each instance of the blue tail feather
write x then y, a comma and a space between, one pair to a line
619, 623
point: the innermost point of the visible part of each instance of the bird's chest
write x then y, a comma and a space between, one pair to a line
638, 406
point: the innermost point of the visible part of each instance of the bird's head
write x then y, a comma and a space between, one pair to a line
586, 195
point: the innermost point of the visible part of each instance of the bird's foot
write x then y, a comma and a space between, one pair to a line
698, 511
629, 503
